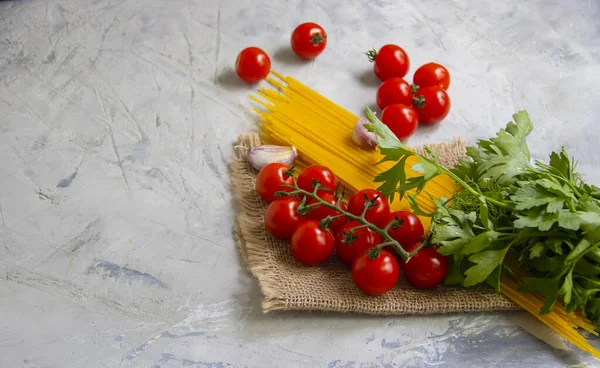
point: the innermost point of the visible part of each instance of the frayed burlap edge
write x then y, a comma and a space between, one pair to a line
286, 285
256, 259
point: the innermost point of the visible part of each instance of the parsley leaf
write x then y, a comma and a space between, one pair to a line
485, 263
480, 242
506, 156
537, 251
391, 178
548, 287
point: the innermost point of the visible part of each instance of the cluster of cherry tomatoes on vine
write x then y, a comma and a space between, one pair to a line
316, 231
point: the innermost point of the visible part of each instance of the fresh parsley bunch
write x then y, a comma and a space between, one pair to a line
542, 216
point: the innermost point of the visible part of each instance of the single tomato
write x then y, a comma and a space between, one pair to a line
318, 173
392, 91
377, 214
319, 212
426, 269
364, 238
310, 244
308, 40
432, 104
391, 61
432, 74
252, 64
401, 119
281, 217
411, 230
271, 179
375, 276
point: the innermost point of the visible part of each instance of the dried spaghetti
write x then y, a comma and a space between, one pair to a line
321, 131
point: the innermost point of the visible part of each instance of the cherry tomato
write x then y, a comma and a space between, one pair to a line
320, 174
365, 238
401, 119
311, 245
432, 104
319, 212
393, 91
432, 74
375, 276
270, 180
252, 64
426, 269
411, 230
281, 217
309, 40
376, 215
391, 61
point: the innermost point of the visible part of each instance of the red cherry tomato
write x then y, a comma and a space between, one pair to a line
311, 245
411, 230
365, 238
309, 40
271, 178
426, 269
252, 64
319, 212
320, 174
281, 217
432, 104
401, 119
432, 74
391, 61
393, 91
376, 215
375, 276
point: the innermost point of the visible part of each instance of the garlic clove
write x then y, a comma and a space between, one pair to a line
261, 156
362, 137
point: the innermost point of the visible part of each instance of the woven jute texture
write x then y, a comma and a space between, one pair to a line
287, 285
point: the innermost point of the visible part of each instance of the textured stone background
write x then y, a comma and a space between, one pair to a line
117, 120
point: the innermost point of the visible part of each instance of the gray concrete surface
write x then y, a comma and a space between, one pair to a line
117, 120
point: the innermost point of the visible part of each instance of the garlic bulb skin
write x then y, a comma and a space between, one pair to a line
362, 137
261, 156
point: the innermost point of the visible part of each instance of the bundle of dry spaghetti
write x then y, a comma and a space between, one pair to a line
321, 131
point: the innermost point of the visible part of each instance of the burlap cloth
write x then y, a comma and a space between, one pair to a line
287, 285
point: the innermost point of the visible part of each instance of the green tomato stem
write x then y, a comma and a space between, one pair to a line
359, 227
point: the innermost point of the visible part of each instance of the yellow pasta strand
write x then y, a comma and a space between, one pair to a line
321, 131
559, 320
